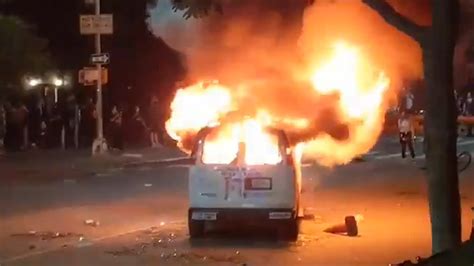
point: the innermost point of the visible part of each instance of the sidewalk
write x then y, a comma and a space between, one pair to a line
40, 166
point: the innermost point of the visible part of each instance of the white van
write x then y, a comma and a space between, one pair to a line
237, 193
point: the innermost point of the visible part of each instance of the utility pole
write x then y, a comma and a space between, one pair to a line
97, 25
100, 145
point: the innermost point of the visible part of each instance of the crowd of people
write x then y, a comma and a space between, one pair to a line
42, 122
465, 104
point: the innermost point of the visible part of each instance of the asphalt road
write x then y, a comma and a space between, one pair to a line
142, 219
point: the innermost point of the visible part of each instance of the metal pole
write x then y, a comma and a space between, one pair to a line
55, 94
100, 136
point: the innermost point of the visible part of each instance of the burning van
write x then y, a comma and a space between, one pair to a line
244, 174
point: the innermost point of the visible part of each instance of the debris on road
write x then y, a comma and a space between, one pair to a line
30, 247
349, 227
308, 215
193, 258
125, 251
91, 222
48, 235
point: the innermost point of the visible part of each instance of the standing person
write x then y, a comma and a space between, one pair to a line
2, 125
88, 123
23, 124
459, 103
54, 126
139, 125
15, 127
34, 123
115, 129
405, 126
155, 118
69, 120
8, 140
468, 109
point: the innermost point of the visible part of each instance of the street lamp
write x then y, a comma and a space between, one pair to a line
57, 82
34, 82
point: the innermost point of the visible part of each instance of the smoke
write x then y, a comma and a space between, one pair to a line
265, 51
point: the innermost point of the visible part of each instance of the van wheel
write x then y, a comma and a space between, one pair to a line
196, 228
289, 231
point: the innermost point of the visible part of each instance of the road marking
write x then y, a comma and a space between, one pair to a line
132, 155
372, 153
466, 142
395, 155
387, 156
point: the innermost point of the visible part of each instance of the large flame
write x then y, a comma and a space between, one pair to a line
359, 88
196, 107
260, 147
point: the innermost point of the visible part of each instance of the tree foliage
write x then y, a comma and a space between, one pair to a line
21, 52
141, 63
197, 8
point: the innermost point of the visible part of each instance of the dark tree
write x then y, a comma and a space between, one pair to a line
437, 42
139, 60
21, 53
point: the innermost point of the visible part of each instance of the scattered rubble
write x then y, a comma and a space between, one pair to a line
48, 235
91, 222
195, 258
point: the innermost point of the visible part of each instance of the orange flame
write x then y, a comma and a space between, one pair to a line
361, 91
260, 147
196, 107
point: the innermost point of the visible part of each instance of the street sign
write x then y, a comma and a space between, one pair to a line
97, 24
88, 76
102, 59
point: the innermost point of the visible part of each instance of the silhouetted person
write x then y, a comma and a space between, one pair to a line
156, 123
405, 126
116, 129
88, 123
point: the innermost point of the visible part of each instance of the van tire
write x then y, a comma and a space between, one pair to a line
289, 231
196, 228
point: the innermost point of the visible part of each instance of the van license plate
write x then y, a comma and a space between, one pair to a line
204, 216
258, 183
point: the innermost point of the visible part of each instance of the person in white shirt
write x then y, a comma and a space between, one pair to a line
405, 126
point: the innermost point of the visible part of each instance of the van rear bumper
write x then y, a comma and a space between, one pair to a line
241, 214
